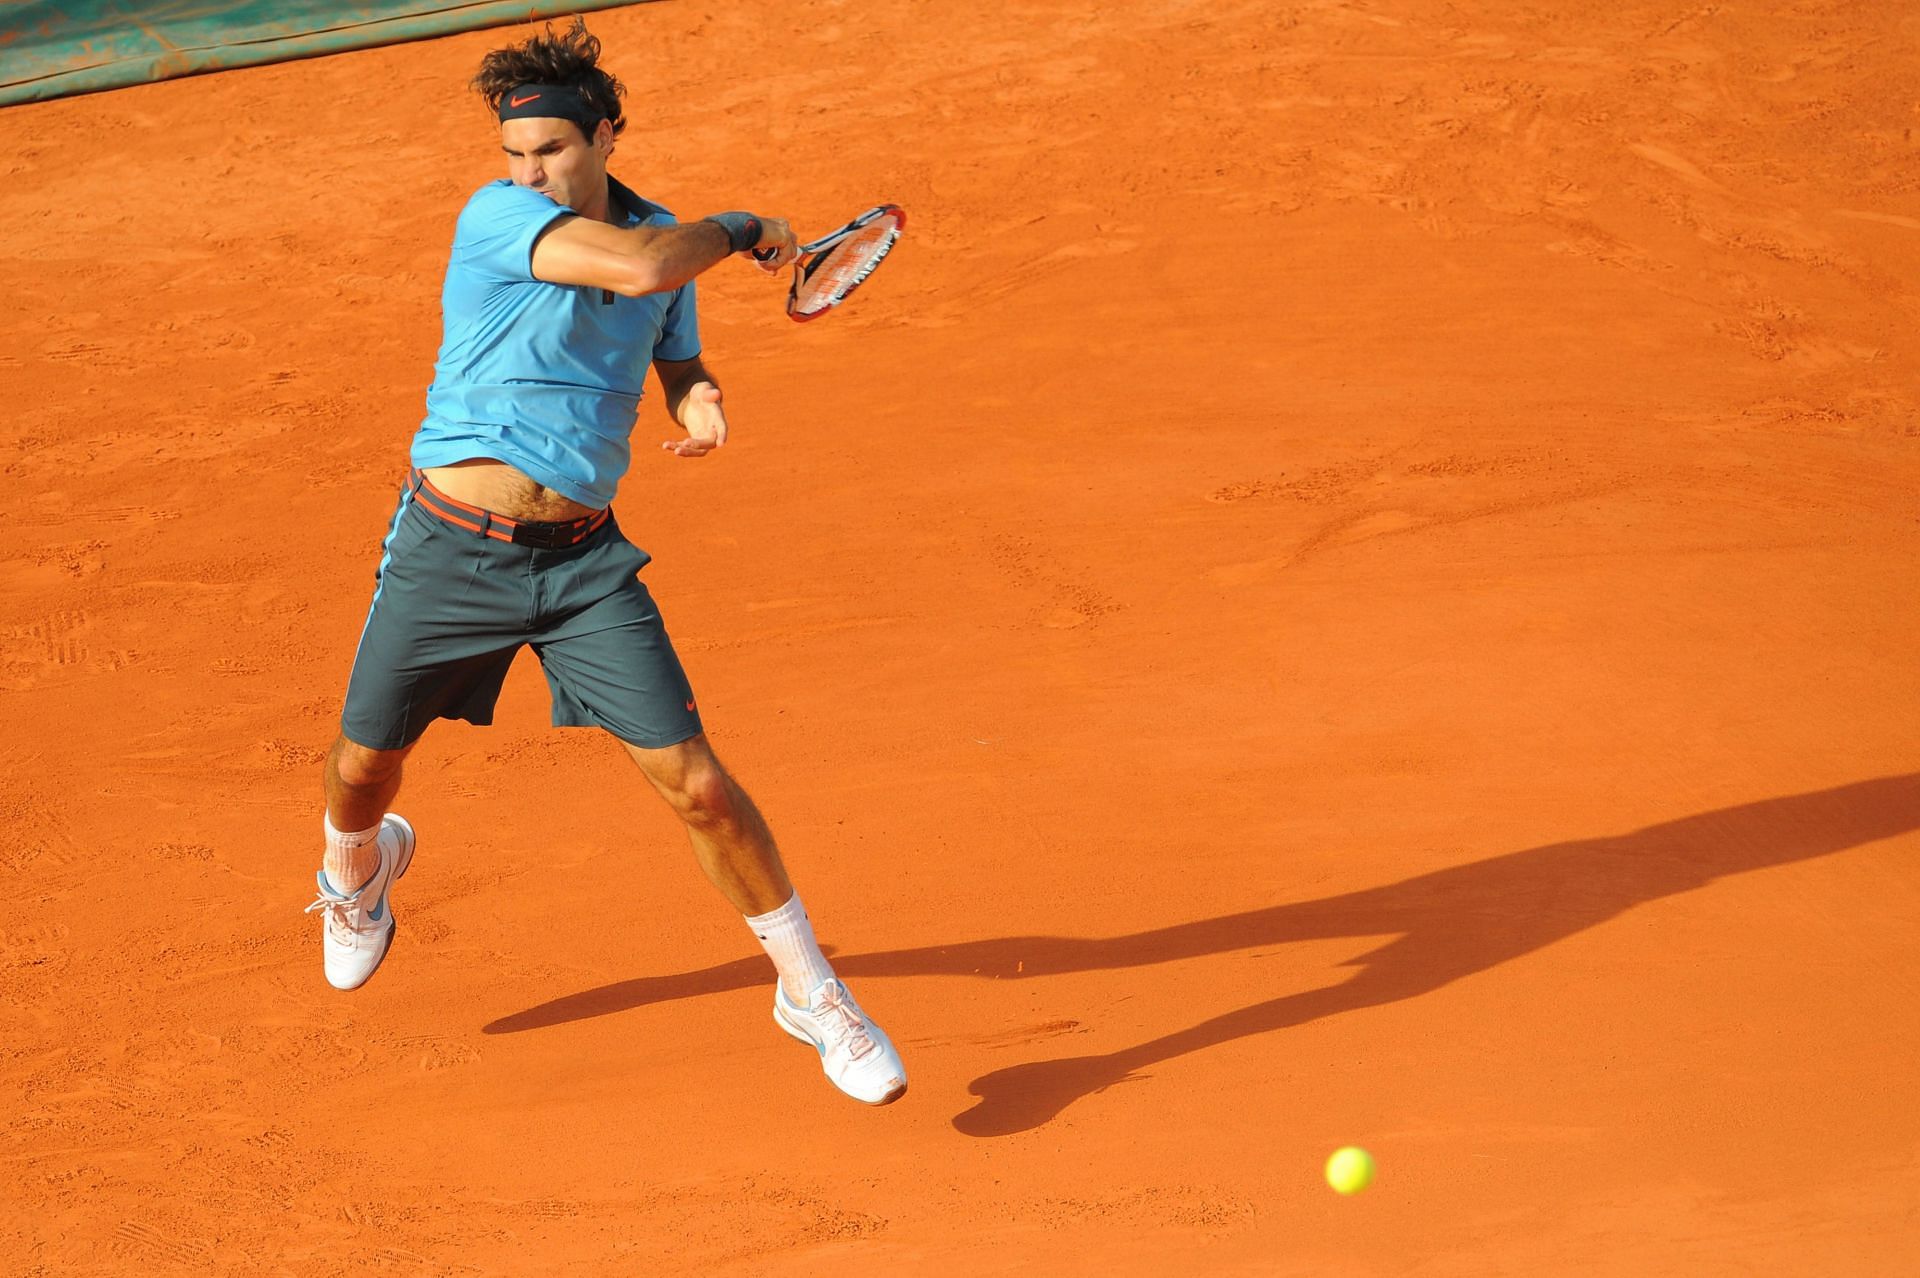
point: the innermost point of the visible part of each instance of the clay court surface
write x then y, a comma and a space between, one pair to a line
1353, 581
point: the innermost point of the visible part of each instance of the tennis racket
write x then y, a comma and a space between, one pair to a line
831, 267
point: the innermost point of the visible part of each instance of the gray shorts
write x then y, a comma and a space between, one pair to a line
460, 591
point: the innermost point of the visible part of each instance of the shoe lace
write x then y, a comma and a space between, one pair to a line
339, 916
834, 1009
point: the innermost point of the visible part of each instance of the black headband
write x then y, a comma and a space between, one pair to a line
550, 102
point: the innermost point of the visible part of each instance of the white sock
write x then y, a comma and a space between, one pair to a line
352, 856
788, 938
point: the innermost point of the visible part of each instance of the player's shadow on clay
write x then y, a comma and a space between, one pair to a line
1450, 924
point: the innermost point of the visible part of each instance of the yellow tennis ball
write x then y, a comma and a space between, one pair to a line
1350, 1169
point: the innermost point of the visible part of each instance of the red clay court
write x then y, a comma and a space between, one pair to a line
1351, 582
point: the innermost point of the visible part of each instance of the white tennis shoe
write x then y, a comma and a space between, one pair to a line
855, 1054
359, 926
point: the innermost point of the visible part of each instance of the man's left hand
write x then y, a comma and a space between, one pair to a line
704, 419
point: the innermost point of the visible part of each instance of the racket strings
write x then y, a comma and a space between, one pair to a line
828, 279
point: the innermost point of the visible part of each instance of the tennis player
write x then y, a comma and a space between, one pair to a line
562, 288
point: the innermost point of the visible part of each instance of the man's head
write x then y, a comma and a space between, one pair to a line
559, 113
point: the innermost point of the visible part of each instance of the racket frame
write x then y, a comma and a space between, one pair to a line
806, 259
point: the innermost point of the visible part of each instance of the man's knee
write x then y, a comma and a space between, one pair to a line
356, 765
704, 796
691, 780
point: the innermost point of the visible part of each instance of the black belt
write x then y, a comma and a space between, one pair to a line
538, 533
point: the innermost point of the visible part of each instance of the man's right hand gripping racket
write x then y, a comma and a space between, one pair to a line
831, 267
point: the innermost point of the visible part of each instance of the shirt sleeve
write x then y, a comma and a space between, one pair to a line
497, 230
680, 329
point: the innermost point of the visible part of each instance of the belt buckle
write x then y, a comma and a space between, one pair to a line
544, 536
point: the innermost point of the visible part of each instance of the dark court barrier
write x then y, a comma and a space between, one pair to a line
49, 50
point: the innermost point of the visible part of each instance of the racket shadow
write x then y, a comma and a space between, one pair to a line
1447, 925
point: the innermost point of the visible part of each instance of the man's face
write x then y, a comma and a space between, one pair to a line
554, 158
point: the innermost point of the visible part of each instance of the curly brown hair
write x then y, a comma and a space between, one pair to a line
570, 57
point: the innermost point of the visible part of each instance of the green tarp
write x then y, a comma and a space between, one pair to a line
78, 46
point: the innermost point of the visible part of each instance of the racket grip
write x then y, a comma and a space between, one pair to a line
764, 255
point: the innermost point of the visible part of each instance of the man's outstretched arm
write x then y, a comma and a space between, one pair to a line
632, 260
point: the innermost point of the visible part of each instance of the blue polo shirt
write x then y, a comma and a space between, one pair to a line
545, 377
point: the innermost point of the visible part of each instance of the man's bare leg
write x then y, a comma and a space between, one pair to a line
361, 784
730, 838
737, 851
